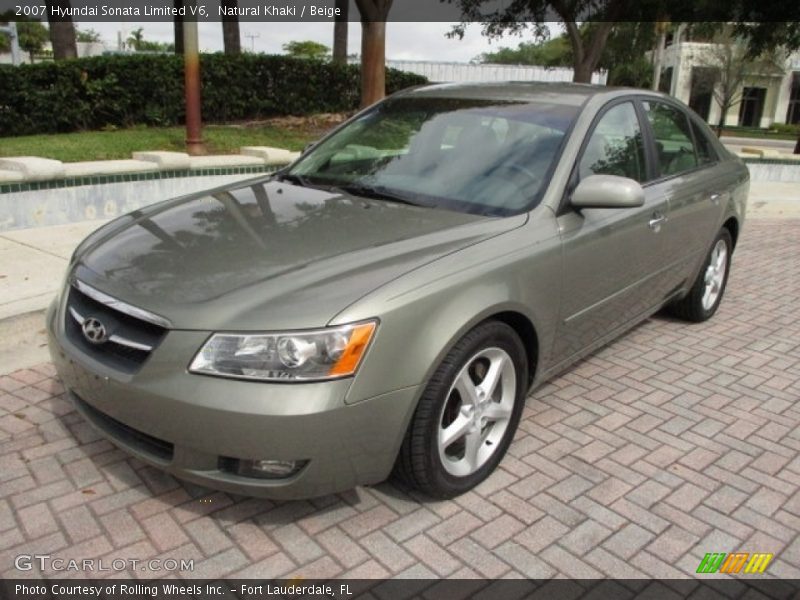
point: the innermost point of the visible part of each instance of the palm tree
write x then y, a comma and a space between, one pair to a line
340, 33
178, 26
373, 49
62, 31
230, 28
135, 38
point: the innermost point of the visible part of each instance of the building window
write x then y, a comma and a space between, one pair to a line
665, 83
702, 91
793, 114
752, 106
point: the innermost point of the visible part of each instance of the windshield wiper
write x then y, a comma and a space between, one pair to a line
293, 179
376, 192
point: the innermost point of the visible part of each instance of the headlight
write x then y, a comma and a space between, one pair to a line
327, 353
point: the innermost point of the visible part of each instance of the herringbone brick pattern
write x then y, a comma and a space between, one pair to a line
674, 441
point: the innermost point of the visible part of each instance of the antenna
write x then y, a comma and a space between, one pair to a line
252, 37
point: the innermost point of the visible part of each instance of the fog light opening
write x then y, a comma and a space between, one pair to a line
263, 469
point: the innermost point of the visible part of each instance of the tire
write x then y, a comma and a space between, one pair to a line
459, 396
695, 306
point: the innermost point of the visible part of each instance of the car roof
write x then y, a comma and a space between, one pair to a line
573, 94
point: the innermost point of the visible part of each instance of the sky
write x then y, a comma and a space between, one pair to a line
404, 41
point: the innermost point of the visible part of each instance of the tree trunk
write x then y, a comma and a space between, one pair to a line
230, 29
340, 33
721, 122
582, 72
373, 61
178, 28
192, 89
658, 54
373, 49
585, 57
62, 32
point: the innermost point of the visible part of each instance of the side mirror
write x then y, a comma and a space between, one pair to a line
607, 191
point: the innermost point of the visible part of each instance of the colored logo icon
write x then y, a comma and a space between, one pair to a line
720, 562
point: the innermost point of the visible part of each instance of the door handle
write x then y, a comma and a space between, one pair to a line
714, 199
656, 221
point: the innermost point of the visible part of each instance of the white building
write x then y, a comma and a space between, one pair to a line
764, 99
450, 72
84, 49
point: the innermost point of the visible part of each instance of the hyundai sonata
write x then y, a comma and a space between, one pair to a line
386, 303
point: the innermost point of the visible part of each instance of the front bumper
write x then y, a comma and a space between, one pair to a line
190, 424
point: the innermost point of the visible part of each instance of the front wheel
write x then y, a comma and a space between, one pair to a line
705, 296
468, 413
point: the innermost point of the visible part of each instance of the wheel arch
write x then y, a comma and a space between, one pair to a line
732, 225
513, 316
526, 331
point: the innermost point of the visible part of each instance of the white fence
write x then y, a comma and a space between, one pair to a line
446, 72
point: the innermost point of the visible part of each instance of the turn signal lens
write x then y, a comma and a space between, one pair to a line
351, 356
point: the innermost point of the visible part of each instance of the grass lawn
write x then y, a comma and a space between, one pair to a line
755, 133
292, 133
117, 144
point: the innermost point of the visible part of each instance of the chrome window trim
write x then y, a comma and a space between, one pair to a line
119, 305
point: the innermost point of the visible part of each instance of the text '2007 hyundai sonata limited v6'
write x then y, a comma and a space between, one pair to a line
386, 303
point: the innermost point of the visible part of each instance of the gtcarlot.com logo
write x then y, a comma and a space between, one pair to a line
721, 562
46, 562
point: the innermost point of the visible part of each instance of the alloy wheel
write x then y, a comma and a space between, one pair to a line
477, 411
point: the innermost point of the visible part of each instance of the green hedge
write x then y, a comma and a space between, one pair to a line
122, 91
793, 129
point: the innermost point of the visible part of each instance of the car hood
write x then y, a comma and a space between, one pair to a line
269, 255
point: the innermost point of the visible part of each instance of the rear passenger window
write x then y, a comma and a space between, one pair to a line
705, 152
615, 146
673, 138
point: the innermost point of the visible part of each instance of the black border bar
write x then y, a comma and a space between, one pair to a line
407, 10
399, 589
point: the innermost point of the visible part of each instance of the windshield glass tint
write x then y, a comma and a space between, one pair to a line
477, 156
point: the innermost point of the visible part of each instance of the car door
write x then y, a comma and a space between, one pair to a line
611, 256
689, 177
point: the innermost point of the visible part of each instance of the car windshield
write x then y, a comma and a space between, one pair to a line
470, 155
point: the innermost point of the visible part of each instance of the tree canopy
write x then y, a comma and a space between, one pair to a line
592, 25
307, 49
555, 52
623, 56
137, 42
32, 34
32, 37
87, 35
587, 43
765, 36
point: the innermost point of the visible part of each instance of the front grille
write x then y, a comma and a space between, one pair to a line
138, 440
129, 340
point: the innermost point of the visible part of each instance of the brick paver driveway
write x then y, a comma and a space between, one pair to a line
674, 441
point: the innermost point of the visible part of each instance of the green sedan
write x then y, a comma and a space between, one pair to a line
385, 304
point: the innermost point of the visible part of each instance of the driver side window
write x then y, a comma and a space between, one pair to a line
615, 146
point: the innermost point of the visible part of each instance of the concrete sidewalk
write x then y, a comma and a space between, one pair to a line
32, 263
